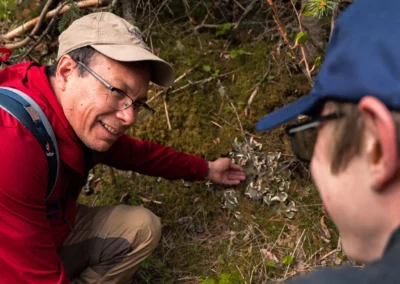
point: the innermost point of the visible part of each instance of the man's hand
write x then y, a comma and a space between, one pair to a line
224, 171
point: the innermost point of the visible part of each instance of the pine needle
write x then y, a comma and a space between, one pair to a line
69, 16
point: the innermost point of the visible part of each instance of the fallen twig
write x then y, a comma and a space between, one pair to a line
176, 81
256, 88
294, 251
335, 12
253, 94
237, 128
30, 24
328, 254
188, 85
207, 26
281, 29
216, 124
166, 109
246, 11
301, 45
46, 31
35, 29
235, 111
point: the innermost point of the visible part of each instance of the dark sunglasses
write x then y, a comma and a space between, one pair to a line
303, 136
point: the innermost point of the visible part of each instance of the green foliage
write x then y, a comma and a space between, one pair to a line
216, 73
223, 29
287, 259
301, 37
70, 15
341, 255
271, 263
226, 278
235, 52
208, 281
318, 8
207, 68
6, 8
318, 61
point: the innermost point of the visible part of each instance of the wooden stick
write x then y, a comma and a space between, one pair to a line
30, 24
177, 80
284, 36
301, 45
256, 88
35, 29
246, 109
46, 31
42, 16
166, 110
293, 253
187, 85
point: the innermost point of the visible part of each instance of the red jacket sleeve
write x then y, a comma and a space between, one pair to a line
27, 250
152, 159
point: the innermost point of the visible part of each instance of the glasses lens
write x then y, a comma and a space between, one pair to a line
142, 113
303, 143
118, 101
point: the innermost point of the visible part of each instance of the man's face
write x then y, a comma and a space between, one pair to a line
84, 99
348, 195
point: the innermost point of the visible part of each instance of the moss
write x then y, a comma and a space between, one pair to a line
193, 113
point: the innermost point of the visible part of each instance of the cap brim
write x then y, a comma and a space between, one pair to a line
304, 105
162, 73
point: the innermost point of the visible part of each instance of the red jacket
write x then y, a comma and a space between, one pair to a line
28, 240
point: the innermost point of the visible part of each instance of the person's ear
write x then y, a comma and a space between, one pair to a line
380, 141
65, 68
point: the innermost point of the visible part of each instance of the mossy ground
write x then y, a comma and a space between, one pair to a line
212, 244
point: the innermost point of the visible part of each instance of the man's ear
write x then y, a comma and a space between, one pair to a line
380, 141
65, 68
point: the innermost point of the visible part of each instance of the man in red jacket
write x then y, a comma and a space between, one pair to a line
94, 92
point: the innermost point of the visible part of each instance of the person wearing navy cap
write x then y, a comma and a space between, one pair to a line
352, 140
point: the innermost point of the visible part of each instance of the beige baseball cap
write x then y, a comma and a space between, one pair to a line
116, 38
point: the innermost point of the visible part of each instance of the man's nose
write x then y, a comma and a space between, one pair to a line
127, 115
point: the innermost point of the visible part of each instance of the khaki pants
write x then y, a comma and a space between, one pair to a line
109, 243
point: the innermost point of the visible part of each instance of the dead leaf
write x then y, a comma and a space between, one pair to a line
338, 261
325, 228
269, 255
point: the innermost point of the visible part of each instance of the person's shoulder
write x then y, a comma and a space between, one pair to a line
345, 274
385, 270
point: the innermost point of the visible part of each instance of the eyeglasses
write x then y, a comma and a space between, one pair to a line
119, 100
303, 136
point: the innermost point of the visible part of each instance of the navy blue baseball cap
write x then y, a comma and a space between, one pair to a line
362, 58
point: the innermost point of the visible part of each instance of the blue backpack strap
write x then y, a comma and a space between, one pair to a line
26, 110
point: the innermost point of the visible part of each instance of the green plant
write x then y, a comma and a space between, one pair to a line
287, 259
318, 8
235, 52
6, 8
71, 15
223, 29
301, 37
225, 278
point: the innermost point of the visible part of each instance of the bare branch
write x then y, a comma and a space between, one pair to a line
46, 31
35, 29
42, 17
166, 109
281, 29
30, 24
301, 45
